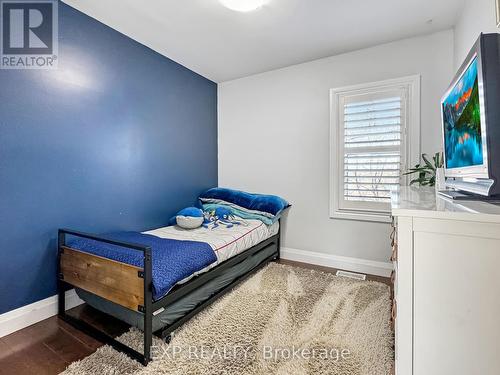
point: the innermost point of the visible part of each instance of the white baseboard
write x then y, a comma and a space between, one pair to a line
369, 267
25, 316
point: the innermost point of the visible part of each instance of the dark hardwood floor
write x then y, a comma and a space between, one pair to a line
49, 346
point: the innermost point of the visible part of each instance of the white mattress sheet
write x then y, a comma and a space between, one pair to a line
226, 242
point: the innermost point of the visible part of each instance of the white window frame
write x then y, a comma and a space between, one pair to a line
410, 141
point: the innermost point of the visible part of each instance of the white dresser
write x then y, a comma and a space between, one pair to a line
446, 285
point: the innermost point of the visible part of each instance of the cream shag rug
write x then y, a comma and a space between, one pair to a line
283, 320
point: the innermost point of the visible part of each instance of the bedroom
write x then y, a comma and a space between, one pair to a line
243, 118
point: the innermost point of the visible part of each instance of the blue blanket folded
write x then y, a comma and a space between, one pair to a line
258, 203
172, 260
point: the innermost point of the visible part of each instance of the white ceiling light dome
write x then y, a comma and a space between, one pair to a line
243, 5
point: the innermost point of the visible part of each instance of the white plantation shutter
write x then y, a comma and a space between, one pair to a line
372, 148
370, 154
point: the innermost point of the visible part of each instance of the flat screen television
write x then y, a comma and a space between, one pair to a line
470, 112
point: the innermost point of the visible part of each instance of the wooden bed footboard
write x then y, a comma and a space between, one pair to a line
121, 283
118, 282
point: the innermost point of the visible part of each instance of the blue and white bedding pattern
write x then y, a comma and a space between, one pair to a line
240, 212
173, 260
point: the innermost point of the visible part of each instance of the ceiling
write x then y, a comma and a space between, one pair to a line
221, 44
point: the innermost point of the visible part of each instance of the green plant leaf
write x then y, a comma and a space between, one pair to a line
411, 171
427, 162
427, 170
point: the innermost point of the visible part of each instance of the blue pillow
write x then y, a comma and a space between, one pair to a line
270, 204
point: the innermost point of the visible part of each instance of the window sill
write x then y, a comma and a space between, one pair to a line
361, 216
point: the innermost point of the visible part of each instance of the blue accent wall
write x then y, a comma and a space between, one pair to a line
118, 138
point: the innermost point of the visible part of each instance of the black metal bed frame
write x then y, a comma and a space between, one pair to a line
150, 306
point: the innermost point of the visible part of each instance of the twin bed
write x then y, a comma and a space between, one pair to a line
159, 279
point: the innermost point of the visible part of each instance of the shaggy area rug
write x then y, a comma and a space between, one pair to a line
283, 320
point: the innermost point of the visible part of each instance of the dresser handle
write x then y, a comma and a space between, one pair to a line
394, 241
394, 311
394, 256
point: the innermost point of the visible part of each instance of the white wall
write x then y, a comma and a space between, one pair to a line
477, 16
274, 135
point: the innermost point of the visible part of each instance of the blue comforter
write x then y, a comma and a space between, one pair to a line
172, 260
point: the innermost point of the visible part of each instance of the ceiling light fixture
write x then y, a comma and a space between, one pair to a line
243, 5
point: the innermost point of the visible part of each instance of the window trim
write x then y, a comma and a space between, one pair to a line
411, 142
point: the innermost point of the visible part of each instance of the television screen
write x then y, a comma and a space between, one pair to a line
462, 121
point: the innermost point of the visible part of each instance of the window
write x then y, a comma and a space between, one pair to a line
375, 136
